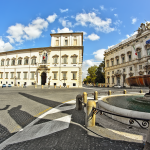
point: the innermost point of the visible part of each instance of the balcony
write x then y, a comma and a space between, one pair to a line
118, 73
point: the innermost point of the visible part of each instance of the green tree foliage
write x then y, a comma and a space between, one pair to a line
96, 74
92, 73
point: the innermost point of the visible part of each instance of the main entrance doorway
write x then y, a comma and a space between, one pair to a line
118, 80
43, 78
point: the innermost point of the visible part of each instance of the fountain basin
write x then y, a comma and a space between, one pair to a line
122, 111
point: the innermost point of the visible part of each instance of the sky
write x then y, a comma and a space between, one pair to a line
28, 23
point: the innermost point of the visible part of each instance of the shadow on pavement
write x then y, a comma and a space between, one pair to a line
5, 108
43, 101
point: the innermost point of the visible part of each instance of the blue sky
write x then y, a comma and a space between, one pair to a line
28, 24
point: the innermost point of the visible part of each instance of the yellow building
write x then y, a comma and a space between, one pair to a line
59, 64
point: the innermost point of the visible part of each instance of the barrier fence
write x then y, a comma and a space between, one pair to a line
91, 111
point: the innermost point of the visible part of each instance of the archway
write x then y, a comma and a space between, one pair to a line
43, 78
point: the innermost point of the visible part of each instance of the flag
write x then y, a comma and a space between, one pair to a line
135, 50
43, 57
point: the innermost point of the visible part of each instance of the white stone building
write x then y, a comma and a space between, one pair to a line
60, 64
121, 60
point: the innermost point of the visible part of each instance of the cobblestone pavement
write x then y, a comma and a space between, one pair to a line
19, 107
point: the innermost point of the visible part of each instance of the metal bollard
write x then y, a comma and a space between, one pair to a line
141, 91
85, 97
60, 86
35, 86
78, 102
95, 95
42, 87
147, 144
109, 92
124, 92
54, 86
90, 117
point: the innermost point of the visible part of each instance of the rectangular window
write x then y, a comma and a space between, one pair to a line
130, 68
55, 60
33, 61
139, 55
2, 63
75, 42
64, 75
57, 42
18, 75
55, 75
140, 66
25, 61
13, 62
108, 73
117, 61
1, 75
108, 80
12, 75
74, 84
122, 59
129, 57
148, 52
74, 60
112, 79
124, 70
112, 72
74, 76
32, 75
25, 75
108, 64
66, 42
19, 62
6, 75
112, 62
7, 62
65, 60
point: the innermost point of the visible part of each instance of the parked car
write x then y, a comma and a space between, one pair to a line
117, 86
9, 85
4, 85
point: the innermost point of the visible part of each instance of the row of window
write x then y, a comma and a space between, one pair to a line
130, 69
66, 42
55, 75
33, 61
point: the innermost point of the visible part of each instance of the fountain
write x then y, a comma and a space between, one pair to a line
130, 105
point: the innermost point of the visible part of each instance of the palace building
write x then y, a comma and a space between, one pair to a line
130, 57
59, 64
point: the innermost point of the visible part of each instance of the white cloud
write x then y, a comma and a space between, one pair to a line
93, 37
86, 65
118, 22
112, 9
134, 20
102, 7
53, 31
19, 32
131, 34
99, 54
63, 10
110, 46
96, 11
94, 21
65, 23
116, 15
5, 46
51, 18
64, 30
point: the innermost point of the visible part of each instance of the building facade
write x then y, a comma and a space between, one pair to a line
59, 64
129, 58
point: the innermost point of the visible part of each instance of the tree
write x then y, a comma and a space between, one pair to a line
100, 75
92, 73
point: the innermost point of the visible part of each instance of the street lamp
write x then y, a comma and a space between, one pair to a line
49, 82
